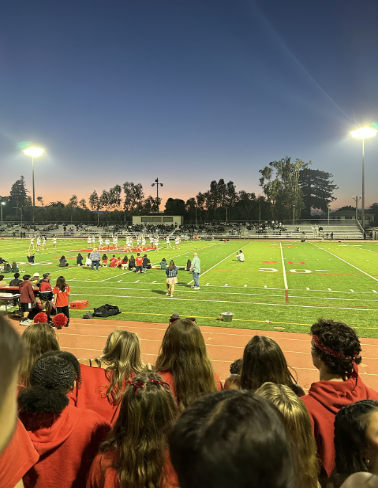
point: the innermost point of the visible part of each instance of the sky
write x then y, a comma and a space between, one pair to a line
186, 91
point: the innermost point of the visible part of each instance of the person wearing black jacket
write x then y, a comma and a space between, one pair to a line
16, 281
79, 259
131, 262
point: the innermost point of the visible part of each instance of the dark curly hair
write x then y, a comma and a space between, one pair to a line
341, 338
236, 366
51, 377
351, 423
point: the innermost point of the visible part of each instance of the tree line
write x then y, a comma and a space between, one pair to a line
291, 189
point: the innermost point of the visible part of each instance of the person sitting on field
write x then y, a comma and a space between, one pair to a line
240, 256
88, 261
132, 262
146, 263
125, 262
57, 429
113, 262
163, 264
79, 259
31, 257
7, 268
15, 268
2, 281
104, 260
63, 262
335, 350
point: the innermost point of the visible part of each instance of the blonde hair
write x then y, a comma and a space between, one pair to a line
122, 356
298, 425
38, 339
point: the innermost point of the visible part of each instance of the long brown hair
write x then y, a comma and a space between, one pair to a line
139, 436
61, 283
38, 339
263, 361
121, 356
183, 353
299, 428
172, 264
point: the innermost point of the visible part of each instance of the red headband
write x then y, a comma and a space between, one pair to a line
328, 350
142, 385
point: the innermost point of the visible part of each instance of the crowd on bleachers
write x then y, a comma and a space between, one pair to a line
115, 422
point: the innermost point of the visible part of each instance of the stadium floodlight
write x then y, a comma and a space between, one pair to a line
363, 134
157, 183
2, 205
33, 152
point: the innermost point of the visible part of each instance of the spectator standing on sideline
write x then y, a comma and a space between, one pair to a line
139, 263
26, 299
46, 294
171, 272
61, 293
95, 258
196, 268
240, 256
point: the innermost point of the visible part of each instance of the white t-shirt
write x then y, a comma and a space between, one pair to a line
240, 257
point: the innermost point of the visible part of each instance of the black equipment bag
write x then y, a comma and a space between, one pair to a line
106, 311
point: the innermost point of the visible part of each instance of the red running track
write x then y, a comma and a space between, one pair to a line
86, 339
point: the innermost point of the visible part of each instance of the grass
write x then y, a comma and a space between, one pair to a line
324, 279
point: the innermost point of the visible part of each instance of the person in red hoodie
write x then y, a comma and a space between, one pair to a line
27, 299
17, 453
184, 364
67, 438
104, 378
135, 452
335, 353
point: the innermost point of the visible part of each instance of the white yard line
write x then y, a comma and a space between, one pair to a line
227, 301
284, 269
346, 262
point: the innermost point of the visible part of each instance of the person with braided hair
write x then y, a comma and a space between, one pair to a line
336, 353
135, 453
67, 438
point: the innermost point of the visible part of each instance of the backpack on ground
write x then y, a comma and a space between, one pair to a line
106, 311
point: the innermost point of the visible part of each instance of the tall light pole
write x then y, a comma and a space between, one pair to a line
328, 212
34, 152
294, 214
2, 205
156, 182
363, 134
356, 198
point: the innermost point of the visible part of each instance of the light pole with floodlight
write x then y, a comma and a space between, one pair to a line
363, 133
156, 182
2, 205
356, 198
34, 152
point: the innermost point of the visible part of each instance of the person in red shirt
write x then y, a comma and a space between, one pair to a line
17, 454
67, 438
335, 350
38, 338
139, 263
184, 364
27, 298
46, 295
104, 378
136, 450
113, 262
61, 293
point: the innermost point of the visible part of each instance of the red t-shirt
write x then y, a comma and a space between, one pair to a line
67, 446
168, 378
18, 457
139, 260
113, 262
63, 297
92, 393
103, 475
45, 286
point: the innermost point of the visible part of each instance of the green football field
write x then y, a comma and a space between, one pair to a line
285, 285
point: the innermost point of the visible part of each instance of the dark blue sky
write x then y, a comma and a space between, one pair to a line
189, 91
